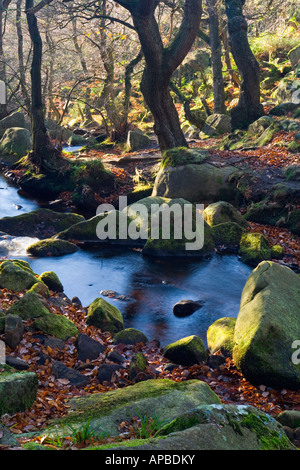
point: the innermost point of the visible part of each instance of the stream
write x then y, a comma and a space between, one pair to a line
151, 286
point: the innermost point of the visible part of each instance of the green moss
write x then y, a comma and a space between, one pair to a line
51, 247
186, 351
130, 336
270, 440
52, 281
57, 325
228, 234
40, 288
220, 336
138, 364
28, 306
16, 277
104, 315
254, 248
276, 252
183, 156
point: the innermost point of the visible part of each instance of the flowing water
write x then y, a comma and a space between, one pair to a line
151, 286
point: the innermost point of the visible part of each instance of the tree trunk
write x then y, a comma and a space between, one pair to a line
216, 57
4, 4
43, 156
24, 91
161, 63
249, 108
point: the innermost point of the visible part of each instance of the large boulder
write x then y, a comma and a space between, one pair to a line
15, 143
217, 124
192, 176
294, 56
214, 427
136, 140
267, 325
162, 397
181, 231
40, 223
16, 119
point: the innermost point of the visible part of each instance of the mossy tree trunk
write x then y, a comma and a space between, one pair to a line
162, 62
249, 108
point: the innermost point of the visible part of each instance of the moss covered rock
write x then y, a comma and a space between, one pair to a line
267, 325
222, 212
51, 247
40, 223
107, 410
52, 281
56, 325
171, 227
88, 230
186, 351
198, 183
17, 391
15, 143
138, 364
228, 234
41, 289
220, 336
130, 336
254, 248
105, 316
16, 276
28, 306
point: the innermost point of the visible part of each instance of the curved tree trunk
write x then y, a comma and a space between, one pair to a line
44, 156
249, 108
161, 63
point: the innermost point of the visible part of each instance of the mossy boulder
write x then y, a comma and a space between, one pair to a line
267, 325
254, 248
228, 234
220, 336
105, 316
202, 183
51, 247
170, 227
52, 281
186, 351
107, 410
136, 140
40, 223
130, 336
16, 119
183, 156
222, 212
217, 124
18, 391
90, 230
15, 144
56, 325
15, 276
28, 306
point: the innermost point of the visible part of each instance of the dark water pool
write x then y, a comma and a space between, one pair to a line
153, 286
